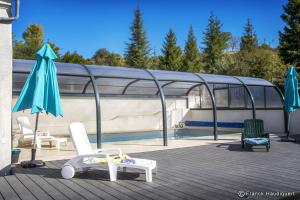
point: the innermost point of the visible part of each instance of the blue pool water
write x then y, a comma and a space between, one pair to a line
172, 134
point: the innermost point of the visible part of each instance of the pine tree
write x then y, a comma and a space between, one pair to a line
137, 51
191, 60
172, 55
249, 39
289, 47
215, 42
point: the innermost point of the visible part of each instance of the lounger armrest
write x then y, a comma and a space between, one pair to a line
267, 135
118, 150
43, 133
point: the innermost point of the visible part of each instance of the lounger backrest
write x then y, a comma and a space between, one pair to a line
253, 128
80, 139
24, 125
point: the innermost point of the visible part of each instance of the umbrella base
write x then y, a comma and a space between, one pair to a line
32, 164
288, 139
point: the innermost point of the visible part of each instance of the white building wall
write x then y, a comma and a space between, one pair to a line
5, 88
273, 119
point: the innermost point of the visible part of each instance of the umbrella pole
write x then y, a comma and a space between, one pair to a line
33, 150
288, 125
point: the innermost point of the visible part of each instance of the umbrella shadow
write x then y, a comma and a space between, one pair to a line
238, 147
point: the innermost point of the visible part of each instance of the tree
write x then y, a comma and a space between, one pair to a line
215, 42
234, 44
191, 60
55, 48
172, 55
104, 57
137, 50
289, 39
32, 41
74, 57
249, 39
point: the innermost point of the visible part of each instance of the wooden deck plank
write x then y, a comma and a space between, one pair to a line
7, 192
19, 188
38, 192
49, 182
216, 171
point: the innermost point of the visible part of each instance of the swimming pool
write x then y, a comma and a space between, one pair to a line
172, 134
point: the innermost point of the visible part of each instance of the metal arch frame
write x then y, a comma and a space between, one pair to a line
285, 114
163, 104
86, 86
98, 107
213, 101
166, 84
190, 89
129, 84
250, 95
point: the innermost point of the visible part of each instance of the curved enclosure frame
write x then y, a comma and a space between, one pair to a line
100, 81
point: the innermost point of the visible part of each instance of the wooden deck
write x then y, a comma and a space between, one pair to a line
216, 171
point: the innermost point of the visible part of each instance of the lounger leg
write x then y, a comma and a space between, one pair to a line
38, 143
113, 170
57, 145
148, 175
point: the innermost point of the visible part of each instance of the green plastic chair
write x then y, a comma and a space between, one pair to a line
254, 129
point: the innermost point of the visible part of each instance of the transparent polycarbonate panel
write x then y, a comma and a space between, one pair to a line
110, 90
255, 81
238, 96
205, 99
20, 65
194, 98
71, 84
18, 82
221, 95
71, 69
258, 95
175, 92
176, 76
181, 87
112, 85
273, 99
213, 78
142, 87
122, 72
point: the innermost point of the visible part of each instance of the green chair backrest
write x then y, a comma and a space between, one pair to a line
253, 128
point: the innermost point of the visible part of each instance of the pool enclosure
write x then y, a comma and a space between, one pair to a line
201, 91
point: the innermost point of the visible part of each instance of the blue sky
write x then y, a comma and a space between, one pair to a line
88, 25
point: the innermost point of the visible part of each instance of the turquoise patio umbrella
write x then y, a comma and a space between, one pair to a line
291, 94
41, 92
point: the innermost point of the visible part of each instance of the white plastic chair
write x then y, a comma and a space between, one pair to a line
86, 157
27, 131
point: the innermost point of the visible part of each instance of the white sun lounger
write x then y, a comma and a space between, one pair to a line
27, 131
86, 157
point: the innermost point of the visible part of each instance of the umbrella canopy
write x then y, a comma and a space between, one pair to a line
291, 94
41, 92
